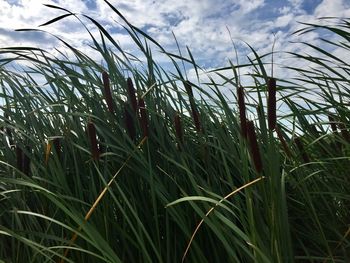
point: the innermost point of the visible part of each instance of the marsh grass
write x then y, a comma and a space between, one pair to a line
149, 173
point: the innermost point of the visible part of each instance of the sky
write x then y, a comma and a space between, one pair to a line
206, 27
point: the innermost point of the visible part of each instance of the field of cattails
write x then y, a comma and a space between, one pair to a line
116, 163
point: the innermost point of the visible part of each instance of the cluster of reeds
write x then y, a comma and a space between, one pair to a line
248, 131
247, 127
191, 193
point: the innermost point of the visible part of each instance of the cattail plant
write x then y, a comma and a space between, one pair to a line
19, 158
271, 103
91, 130
242, 115
301, 149
107, 91
129, 122
254, 148
26, 161
195, 113
178, 128
132, 95
143, 117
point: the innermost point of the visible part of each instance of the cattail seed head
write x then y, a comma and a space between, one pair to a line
195, 113
129, 122
271, 103
107, 91
93, 141
178, 127
254, 148
241, 107
132, 95
301, 149
143, 117
196, 120
26, 161
19, 157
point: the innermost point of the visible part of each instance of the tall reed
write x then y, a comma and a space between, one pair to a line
91, 131
271, 103
242, 111
107, 91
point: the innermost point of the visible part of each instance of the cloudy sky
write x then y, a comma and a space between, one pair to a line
205, 26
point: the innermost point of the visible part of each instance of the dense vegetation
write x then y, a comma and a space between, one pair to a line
125, 163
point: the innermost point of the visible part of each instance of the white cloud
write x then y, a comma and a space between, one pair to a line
295, 3
248, 6
339, 8
284, 20
201, 25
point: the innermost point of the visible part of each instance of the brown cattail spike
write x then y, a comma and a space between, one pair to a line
195, 113
301, 149
93, 141
107, 91
254, 148
178, 127
26, 161
19, 157
129, 122
241, 107
196, 119
144, 118
132, 95
271, 103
